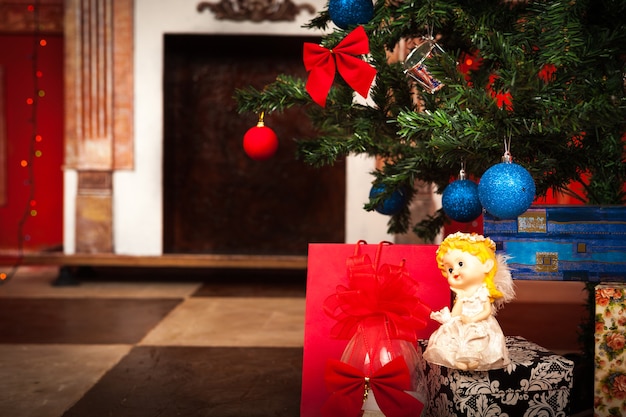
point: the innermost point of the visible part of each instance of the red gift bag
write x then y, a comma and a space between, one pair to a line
328, 270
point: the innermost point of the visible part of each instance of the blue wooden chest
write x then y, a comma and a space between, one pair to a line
572, 243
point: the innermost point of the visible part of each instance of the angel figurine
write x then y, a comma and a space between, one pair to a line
470, 337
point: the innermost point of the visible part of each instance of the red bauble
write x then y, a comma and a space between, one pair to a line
260, 142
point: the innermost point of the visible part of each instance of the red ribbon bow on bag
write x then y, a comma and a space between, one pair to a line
348, 387
386, 293
320, 63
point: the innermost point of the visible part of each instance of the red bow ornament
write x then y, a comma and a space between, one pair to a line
322, 63
349, 388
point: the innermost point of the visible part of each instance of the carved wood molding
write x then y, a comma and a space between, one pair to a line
17, 17
99, 84
95, 183
98, 111
255, 10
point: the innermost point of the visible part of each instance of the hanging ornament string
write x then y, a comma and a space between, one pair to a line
30, 161
431, 31
323, 63
507, 151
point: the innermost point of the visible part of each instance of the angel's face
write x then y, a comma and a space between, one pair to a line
463, 269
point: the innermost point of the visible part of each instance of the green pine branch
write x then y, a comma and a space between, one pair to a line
567, 128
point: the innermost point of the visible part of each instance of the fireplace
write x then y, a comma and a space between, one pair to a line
215, 198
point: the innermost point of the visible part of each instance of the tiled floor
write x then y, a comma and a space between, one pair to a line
181, 343
184, 342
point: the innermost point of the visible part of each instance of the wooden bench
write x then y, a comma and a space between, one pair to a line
69, 262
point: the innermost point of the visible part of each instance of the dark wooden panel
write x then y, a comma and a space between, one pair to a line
216, 199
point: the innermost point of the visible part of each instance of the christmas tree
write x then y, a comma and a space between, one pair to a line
543, 80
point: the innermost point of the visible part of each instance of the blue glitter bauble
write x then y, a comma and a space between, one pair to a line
345, 13
506, 190
460, 201
392, 204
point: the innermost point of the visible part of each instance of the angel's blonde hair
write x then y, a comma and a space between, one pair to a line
498, 280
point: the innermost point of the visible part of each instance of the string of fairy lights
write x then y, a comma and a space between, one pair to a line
28, 163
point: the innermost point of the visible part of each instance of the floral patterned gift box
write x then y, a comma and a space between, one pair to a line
536, 383
610, 357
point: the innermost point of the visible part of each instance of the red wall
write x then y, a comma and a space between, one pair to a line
43, 228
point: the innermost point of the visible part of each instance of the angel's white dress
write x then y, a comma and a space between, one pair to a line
482, 342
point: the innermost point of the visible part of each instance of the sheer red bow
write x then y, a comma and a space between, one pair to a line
322, 63
387, 293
